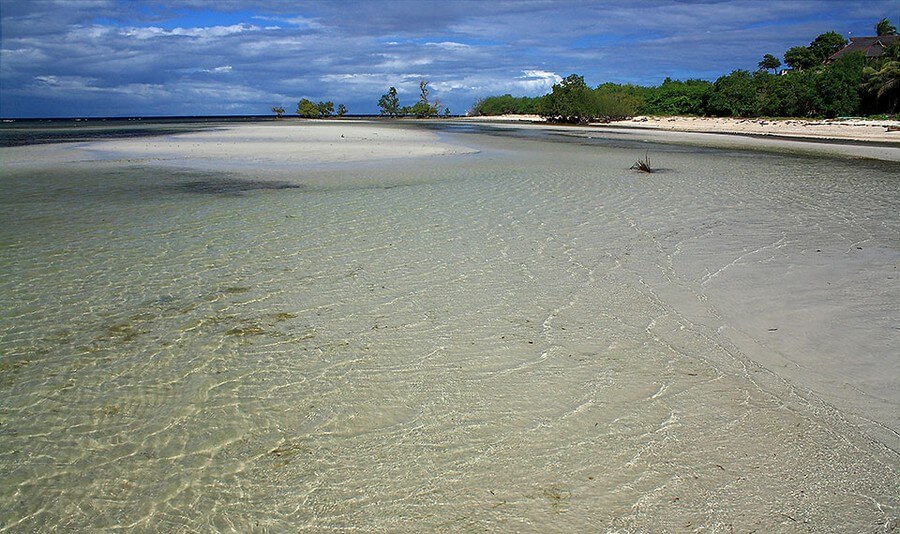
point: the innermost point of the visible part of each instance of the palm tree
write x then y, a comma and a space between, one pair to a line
884, 82
884, 27
278, 111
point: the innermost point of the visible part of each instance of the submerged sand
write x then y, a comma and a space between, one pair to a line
527, 337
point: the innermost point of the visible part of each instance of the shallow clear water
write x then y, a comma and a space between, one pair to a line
530, 338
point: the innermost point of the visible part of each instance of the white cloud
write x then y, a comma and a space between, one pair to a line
539, 78
308, 23
219, 70
449, 45
394, 62
151, 32
530, 82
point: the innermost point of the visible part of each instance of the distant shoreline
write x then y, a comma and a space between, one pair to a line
270, 143
855, 138
851, 129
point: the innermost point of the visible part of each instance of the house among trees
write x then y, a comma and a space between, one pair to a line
872, 47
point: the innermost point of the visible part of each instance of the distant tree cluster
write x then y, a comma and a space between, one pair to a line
849, 85
389, 104
572, 101
506, 105
307, 109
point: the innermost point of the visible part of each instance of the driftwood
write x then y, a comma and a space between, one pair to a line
893, 128
643, 165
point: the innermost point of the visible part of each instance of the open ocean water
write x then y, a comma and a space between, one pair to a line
531, 338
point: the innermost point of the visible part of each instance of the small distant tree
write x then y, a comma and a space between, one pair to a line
341, 110
278, 111
423, 108
446, 112
307, 109
389, 103
884, 27
769, 62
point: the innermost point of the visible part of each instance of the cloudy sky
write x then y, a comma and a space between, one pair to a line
71, 58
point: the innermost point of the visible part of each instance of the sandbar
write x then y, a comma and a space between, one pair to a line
282, 144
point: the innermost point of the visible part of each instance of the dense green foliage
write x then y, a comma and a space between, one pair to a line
675, 97
505, 105
571, 100
826, 44
813, 87
306, 108
423, 108
769, 62
389, 104
732, 96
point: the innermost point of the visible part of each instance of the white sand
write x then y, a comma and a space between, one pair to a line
836, 129
855, 139
284, 144
846, 129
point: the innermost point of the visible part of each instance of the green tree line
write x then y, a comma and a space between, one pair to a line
308, 109
851, 85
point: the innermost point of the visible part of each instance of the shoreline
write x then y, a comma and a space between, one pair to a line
722, 133
278, 146
242, 146
850, 129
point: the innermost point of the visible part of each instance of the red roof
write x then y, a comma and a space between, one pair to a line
870, 46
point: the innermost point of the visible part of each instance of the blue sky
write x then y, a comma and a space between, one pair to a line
79, 58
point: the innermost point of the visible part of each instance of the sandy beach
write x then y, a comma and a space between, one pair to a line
859, 130
851, 138
284, 145
503, 328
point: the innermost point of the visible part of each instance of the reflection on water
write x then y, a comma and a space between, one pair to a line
532, 338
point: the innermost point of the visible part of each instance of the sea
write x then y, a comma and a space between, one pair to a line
530, 338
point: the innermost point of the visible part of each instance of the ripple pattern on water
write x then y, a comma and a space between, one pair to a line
532, 338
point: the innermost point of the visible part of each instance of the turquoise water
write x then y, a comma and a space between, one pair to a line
529, 338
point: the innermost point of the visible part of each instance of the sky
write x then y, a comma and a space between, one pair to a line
91, 58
